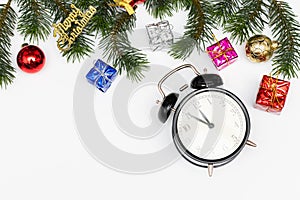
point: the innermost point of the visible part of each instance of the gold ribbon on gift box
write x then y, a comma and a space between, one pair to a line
125, 4
273, 86
222, 53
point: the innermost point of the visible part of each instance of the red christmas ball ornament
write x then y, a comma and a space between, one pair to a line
31, 59
135, 2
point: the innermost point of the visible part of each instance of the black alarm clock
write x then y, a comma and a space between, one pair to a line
210, 124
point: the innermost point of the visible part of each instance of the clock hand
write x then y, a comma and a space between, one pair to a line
196, 118
204, 117
210, 125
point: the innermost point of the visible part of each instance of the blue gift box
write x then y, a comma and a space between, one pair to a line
102, 75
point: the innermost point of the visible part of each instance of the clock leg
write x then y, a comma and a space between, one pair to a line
250, 143
210, 170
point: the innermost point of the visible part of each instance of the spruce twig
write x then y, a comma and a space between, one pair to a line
102, 20
198, 30
249, 20
8, 19
160, 8
82, 47
224, 10
58, 9
62, 7
119, 50
34, 22
240, 18
286, 30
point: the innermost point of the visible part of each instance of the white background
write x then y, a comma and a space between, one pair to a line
41, 156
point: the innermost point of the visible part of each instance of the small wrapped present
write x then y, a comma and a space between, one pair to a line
222, 53
101, 75
272, 94
128, 5
136, 2
160, 35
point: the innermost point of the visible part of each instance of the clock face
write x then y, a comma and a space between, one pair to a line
211, 124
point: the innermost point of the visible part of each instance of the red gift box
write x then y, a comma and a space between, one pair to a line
135, 2
272, 94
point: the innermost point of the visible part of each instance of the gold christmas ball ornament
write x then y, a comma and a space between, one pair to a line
260, 48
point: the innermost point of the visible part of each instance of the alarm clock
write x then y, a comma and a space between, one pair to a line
210, 125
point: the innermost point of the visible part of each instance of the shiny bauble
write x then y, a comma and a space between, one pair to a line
31, 59
260, 48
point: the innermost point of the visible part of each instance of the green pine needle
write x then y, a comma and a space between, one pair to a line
119, 50
8, 19
286, 30
160, 8
247, 21
58, 9
240, 18
35, 21
198, 30
224, 10
103, 19
81, 48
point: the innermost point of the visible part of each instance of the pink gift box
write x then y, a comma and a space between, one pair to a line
222, 53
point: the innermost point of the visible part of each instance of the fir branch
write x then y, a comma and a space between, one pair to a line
8, 19
286, 30
160, 8
119, 50
103, 18
35, 22
224, 10
62, 6
165, 8
198, 30
247, 21
84, 5
58, 9
82, 46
